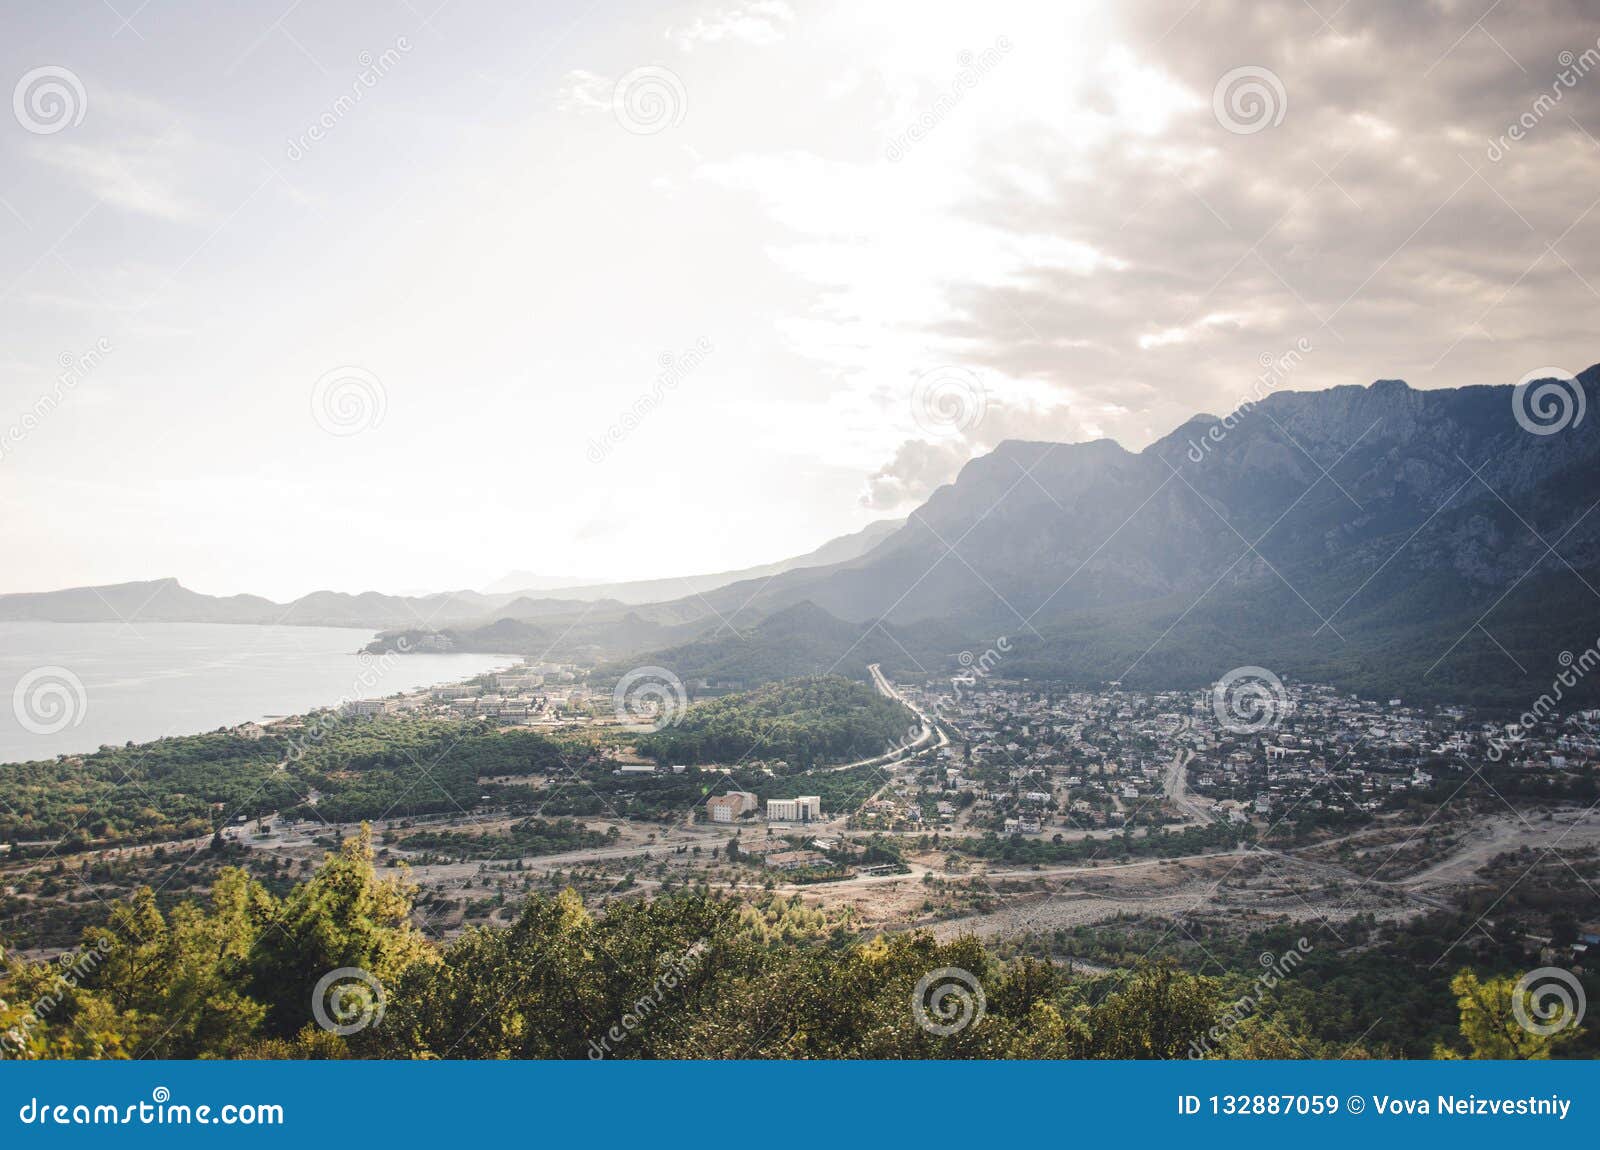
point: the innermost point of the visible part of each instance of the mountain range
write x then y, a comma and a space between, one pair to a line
168, 601
1426, 544
840, 550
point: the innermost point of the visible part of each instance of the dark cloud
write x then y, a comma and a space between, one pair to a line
1375, 222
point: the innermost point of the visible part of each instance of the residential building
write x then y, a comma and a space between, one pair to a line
729, 807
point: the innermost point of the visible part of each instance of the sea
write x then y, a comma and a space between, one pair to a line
67, 688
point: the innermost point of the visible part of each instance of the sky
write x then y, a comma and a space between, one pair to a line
405, 296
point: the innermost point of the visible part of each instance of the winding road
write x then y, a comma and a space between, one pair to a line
930, 730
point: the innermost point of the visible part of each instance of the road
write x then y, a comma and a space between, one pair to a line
1176, 784
931, 732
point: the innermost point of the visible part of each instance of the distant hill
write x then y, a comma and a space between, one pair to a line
166, 600
158, 600
839, 550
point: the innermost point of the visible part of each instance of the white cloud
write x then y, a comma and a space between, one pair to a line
144, 173
762, 23
584, 90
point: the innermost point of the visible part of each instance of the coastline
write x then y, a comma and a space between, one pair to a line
75, 687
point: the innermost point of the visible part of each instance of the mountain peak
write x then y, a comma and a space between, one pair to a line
1034, 447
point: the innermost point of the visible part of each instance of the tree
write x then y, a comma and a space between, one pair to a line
1490, 1026
1158, 1014
345, 917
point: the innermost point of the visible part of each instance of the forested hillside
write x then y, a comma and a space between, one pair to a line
335, 969
356, 768
806, 722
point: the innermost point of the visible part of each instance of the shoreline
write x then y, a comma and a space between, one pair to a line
166, 680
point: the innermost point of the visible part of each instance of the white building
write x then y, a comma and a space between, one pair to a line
805, 808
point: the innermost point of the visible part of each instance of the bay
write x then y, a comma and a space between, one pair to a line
66, 688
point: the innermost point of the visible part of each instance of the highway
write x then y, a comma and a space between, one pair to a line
929, 732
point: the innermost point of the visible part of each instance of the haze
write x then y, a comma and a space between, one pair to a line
487, 318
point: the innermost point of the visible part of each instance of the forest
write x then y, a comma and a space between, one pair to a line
805, 722
335, 968
186, 786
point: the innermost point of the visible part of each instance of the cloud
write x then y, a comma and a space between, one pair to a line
912, 475
584, 91
920, 465
1111, 236
1373, 221
139, 155
762, 23
144, 174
